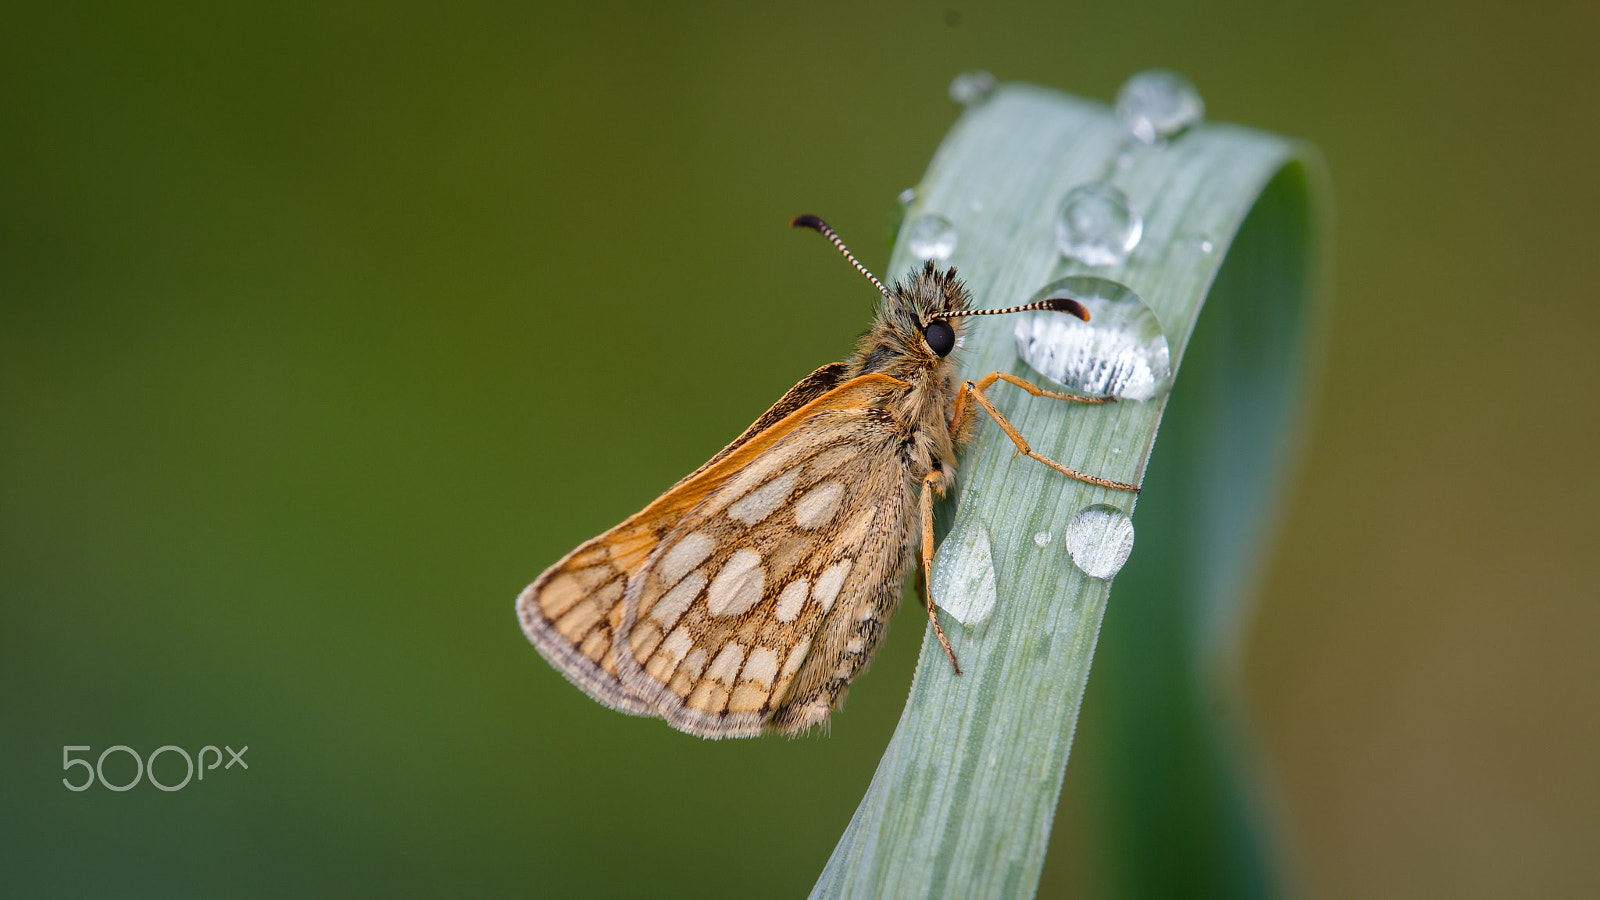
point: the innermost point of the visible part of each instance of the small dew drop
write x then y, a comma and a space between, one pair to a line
1157, 104
931, 237
1097, 226
1206, 246
906, 197
1121, 351
963, 582
1099, 540
1042, 538
972, 88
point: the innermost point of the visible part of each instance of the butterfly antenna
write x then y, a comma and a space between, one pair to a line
1054, 304
826, 230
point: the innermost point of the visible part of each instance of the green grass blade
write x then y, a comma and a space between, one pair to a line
963, 799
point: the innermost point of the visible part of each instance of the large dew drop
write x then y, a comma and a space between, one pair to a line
1121, 351
963, 583
1097, 226
1156, 104
1099, 540
931, 237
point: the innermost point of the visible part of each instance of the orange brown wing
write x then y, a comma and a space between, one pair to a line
784, 560
570, 611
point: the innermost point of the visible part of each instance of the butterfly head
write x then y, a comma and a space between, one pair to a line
919, 312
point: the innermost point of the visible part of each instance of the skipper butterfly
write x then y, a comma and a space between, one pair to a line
748, 596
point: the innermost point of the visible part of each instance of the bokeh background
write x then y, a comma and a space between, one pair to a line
324, 329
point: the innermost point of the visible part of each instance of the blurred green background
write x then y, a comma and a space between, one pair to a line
323, 330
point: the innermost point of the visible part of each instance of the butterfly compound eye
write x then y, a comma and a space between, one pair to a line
940, 336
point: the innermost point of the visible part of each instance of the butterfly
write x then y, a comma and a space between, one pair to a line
746, 598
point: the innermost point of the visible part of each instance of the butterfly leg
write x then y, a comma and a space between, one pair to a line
937, 475
989, 379
976, 389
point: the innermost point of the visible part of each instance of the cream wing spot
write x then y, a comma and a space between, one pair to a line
691, 550
796, 657
694, 663
760, 503
708, 696
792, 600
658, 667
643, 640
594, 576
748, 697
560, 594
738, 585
667, 656
829, 583
675, 648
791, 665
579, 619
679, 684
817, 506
725, 668
761, 668
673, 603
757, 470
596, 644
856, 531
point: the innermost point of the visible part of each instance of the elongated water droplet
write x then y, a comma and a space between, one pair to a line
1156, 104
1099, 540
906, 197
963, 582
1120, 351
972, 88
1097, 226
931, 237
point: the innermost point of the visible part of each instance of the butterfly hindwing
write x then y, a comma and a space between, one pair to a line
764, 599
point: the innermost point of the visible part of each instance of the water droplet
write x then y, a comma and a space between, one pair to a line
907, 196
1156, 104
1097, 226
1099, 540
1120, 351
1205, 246
931, 237
1042, 538
963, 582
972, 88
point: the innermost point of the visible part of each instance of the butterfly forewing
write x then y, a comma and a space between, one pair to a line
765, 598
571, 611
